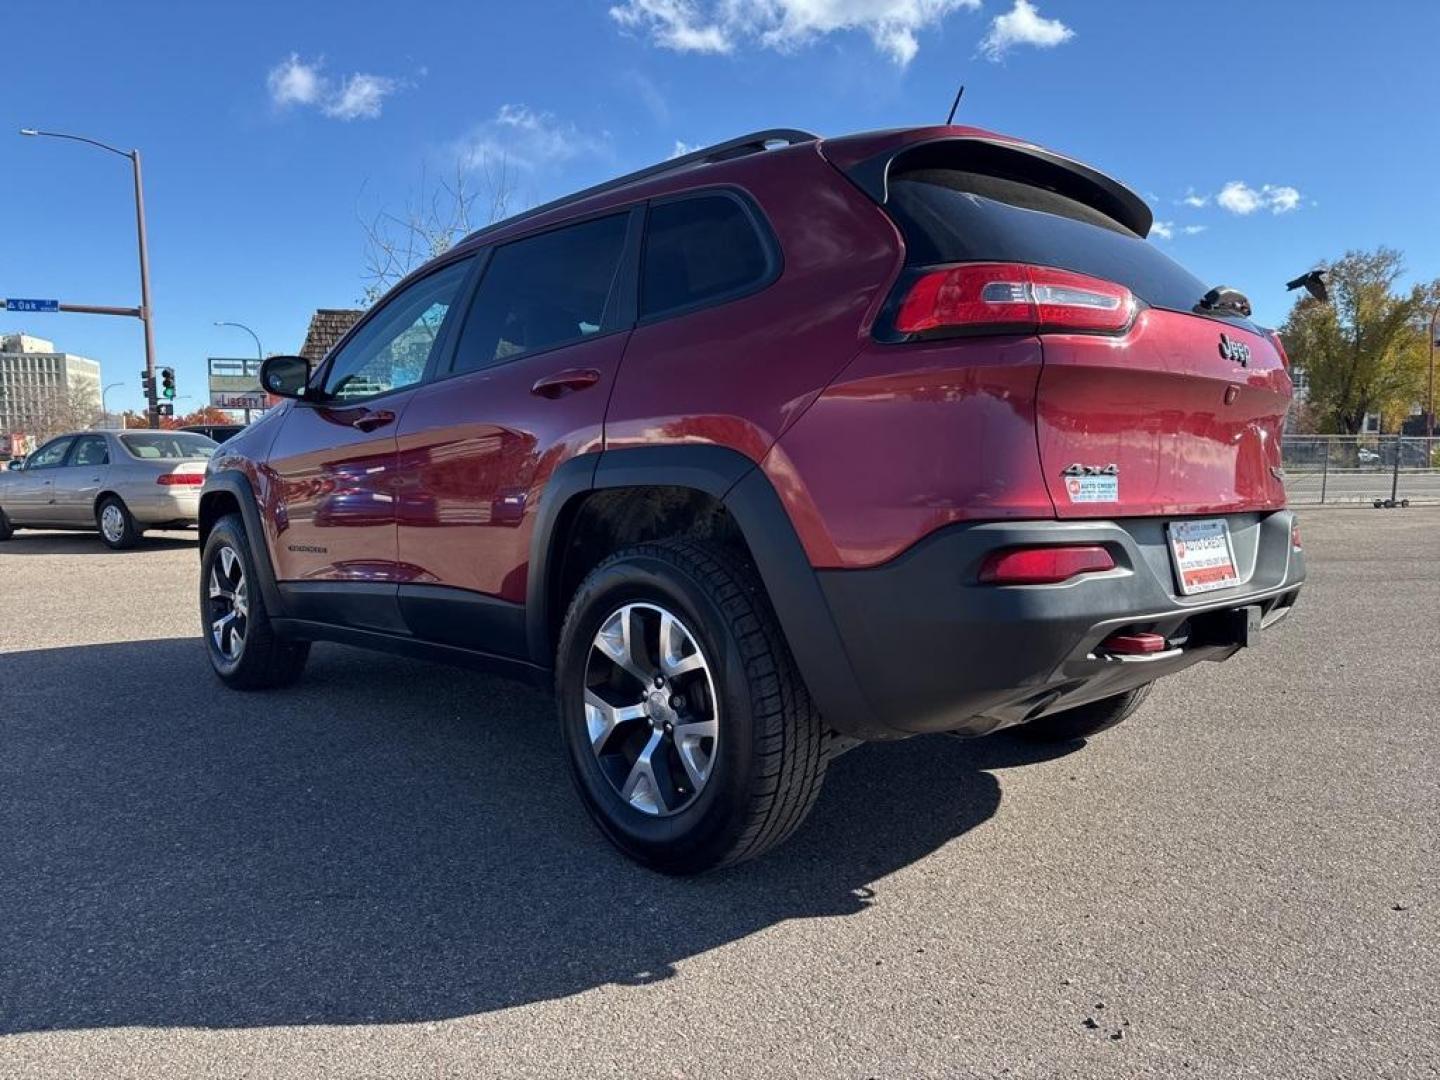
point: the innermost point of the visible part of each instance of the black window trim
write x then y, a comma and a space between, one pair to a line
63, 457
764, 232
69, 462
442, 346
620, 305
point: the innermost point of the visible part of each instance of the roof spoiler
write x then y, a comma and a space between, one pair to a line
1008, 160
753, 143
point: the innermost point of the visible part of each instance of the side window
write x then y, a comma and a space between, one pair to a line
699, 250
50, 455
543, 291
90, 450
391, 350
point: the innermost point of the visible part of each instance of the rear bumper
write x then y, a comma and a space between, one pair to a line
165, 507
932, 649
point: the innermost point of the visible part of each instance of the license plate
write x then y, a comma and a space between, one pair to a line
1204, 559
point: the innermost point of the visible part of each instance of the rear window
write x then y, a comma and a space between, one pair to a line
948, 215
167, 445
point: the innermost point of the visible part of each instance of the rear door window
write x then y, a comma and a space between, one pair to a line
701, 250
542, 292
950, 215
90, 450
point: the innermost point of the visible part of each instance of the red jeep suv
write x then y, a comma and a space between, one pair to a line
778, 446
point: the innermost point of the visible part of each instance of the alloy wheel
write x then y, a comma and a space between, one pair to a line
229, 604
651, 713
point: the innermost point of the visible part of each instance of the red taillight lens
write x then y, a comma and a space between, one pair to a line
1014, 297
1043, 565
1295, 534
187, 479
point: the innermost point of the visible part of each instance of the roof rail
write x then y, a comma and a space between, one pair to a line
739, 146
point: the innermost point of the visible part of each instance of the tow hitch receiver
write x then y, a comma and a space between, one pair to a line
1234, 627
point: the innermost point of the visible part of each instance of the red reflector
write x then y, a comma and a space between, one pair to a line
1014, 297
1295, 534
187, 478
1043, 565
1134, 644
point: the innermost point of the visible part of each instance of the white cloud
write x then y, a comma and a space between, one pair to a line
524, 138
683, 148
1194, 230
1163, 230
294, 82
721, 26
359, 96
1194, 199
1023, 25
1240, 198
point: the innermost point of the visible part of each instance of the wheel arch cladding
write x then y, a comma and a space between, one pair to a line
727, 481
230, 491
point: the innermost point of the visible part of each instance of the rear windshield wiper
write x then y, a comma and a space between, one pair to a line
1224, 300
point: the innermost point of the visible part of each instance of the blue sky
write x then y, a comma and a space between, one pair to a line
1297, 129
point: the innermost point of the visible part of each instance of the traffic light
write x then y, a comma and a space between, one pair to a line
167, 383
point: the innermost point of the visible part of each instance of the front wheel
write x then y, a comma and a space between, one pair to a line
691, 737
1085, 720
6, 529
245, 652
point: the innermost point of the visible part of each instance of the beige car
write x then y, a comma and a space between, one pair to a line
119, 483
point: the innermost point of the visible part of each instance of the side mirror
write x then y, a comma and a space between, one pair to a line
285, 376
16, 464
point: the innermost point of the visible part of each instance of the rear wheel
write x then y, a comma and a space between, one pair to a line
244, 650
1085, 720
117, 526
691, 737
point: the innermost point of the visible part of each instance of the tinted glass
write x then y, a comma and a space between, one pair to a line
391, 350
698, 250
90, 450
167, 445
948, 215
49, 455
542, 292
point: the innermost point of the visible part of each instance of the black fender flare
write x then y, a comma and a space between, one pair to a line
235, 483
746, 492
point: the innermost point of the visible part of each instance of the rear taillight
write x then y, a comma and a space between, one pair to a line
187, 479
1279, 347
1043, 565
1015, 298
1295, 534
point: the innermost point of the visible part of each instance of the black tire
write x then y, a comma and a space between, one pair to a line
129, 533
263, 659
6, 529
772, 750
1084, 721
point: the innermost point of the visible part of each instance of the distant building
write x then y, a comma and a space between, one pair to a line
42, 390
327, 326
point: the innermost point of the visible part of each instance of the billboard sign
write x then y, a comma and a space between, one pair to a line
224, 399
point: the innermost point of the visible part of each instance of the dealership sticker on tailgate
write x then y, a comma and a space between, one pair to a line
1092, 483
1204, 559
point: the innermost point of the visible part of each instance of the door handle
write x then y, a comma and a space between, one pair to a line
563, 382
372, 420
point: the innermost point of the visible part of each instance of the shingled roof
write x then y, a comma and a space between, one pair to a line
327, 326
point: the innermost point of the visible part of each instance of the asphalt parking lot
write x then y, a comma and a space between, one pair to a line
383, 872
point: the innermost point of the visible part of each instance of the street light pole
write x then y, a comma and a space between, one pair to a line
259, 349
103, 391
1430, 394
144, 311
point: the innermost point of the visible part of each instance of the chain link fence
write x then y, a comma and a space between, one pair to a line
1361, 469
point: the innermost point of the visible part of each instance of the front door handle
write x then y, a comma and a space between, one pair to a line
563, 382
372, 420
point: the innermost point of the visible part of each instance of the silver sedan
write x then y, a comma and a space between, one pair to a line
119, 483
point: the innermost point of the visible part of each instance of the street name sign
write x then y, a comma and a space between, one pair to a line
21, 304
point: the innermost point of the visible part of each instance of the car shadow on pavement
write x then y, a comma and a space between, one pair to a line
389, 841
31, 542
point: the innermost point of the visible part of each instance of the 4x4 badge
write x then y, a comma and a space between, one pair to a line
1235, 350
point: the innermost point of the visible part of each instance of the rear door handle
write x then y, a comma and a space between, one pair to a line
563, 382
372, 420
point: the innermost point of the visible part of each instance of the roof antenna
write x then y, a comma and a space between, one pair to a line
955, 104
